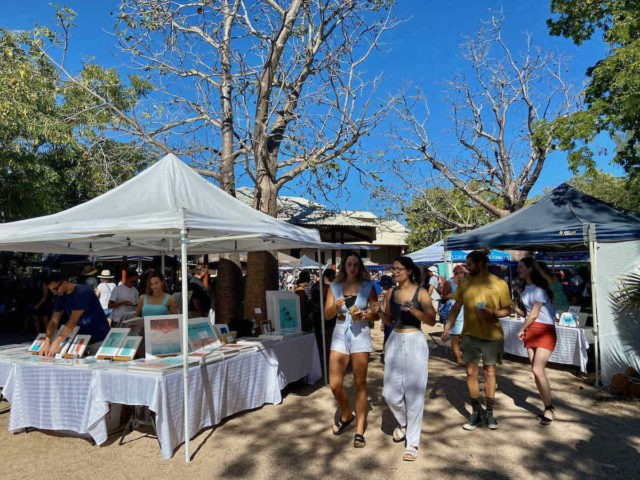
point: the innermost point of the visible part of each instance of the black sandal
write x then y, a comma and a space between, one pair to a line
342, 425
359, 441
546, 420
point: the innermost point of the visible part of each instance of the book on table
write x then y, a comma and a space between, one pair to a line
228, 352
207, 357
90, 362
242, 347
161, 366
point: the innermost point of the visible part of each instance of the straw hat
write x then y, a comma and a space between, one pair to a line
105, 274
460, 268
88, 270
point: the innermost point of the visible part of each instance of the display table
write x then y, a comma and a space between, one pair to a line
5, 370
571, 345
49, 398
77, 400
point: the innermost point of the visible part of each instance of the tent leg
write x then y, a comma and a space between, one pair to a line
162, 264
446, 266
185, 340
594, 303
322, 325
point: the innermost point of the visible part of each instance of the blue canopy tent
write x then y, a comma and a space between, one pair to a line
435, 254
569, 220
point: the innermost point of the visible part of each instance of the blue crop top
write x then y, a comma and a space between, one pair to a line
402, 318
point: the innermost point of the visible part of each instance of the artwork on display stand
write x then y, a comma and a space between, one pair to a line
162, 336
224, 335
37, 343
266, 326
112, 343
283, 309
64, 346
136, 324
288, 315
128, 350
202, 335
77, 347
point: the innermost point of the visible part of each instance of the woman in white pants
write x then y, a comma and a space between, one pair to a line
347, 299
407, 353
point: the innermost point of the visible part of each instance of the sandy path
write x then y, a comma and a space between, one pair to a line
591, 439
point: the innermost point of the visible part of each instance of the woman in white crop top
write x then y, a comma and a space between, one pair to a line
538, 331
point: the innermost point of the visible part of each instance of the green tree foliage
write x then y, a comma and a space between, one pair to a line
427, 228
620, 192
612, 97
54, 149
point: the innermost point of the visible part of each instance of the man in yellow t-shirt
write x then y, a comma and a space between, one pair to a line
485, 298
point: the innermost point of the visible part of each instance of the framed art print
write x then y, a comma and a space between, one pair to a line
202, 336
162, 335
288, 314
37, 343
112, 343
128, 350
66, 342
78, 346
221, 329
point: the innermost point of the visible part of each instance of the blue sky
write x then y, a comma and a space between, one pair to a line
423, 50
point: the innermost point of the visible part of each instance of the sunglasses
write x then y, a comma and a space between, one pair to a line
55, 289
397, 269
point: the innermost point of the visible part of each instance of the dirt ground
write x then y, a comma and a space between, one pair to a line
590, 439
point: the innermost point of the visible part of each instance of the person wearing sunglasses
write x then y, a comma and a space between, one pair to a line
347, 299
406, 369
83, 308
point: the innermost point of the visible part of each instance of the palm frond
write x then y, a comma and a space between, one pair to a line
627, 297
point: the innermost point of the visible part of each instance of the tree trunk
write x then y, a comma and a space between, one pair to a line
229, 280
262, 267
228, 288
262, 275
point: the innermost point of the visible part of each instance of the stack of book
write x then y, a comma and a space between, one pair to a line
280, 335
161, 366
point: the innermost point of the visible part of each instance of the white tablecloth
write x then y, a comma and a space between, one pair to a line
5, 370
50, 398
571, 345
67, 398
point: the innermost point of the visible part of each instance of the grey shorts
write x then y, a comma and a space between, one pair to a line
474, 349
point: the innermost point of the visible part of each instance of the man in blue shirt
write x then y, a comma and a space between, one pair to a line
81, 306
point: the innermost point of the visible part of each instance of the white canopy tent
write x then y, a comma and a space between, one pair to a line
166, 209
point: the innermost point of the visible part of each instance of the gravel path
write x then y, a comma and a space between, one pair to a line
590, 439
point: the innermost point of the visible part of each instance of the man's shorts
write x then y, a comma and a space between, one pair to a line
474, 349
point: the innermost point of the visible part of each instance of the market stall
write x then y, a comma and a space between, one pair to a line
165, 210
435, 253
569, 220
571, 344
78, 400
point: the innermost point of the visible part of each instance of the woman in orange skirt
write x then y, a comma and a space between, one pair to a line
538, 330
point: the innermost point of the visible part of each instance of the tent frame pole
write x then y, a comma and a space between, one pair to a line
185, 340
322, 325
593, 246
446, 261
